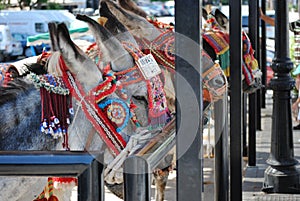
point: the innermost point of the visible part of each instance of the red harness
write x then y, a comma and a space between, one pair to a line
95, 115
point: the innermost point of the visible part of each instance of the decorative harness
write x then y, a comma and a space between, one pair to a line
163, 50
109, 116
218, 40
7, 73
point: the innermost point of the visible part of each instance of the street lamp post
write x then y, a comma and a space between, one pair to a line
281, 176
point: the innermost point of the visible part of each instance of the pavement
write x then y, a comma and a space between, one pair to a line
254, 176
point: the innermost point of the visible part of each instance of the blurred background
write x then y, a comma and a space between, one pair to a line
21, 20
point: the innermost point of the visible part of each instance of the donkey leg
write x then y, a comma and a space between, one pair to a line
161, 178
161, 175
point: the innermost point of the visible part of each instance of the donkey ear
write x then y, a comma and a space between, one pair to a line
204, 13
77, 62
52, 27
111, 48
220, 17
131, 6
115, 26
137, 25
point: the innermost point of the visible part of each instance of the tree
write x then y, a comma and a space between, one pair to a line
31, 3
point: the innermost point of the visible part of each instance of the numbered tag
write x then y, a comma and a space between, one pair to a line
148, 66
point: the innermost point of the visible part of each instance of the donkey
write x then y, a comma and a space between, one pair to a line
160, 42
75, 59
122, 35
216, 36
216, 44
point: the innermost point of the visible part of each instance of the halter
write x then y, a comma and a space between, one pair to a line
157, 103
95, 115
217, 40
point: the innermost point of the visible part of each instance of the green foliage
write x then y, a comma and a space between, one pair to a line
293, 7
224, 2
292, 49
3, 6
54, 6
160, 0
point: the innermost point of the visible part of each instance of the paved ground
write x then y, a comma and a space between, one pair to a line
254, 176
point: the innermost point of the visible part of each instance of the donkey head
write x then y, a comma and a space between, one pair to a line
221, 19
79, 64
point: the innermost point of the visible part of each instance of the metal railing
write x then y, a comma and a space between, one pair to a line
138, 167
84, 166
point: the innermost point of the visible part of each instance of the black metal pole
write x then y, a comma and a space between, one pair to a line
235, 100
221, 150
253, 103
244, 132
281, 176
189, 104
136, 179
93, 190
252, 130
263, 56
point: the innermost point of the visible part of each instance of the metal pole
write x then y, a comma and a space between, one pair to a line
221, 150
91, 183
252, 130
244, 103
263, 56
189, 104
136, 179
281, 176
253, 103
235, 101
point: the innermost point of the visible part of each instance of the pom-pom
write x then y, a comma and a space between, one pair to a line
56, 121
53, 198
41, 199
71, 111
45, 125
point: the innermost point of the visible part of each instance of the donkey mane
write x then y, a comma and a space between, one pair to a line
14, 89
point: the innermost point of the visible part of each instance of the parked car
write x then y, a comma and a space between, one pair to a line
156, 9
170, 7
17, 50
27, 51
8, 46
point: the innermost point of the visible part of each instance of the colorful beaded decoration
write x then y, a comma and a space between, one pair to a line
94, 114
56, 106
3, 72
157, 104
117, 112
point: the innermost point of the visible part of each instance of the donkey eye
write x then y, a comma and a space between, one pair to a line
216, 82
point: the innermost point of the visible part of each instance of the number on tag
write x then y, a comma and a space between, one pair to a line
148, 66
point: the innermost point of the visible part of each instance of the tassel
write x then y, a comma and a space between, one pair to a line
41, 197
50, 186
